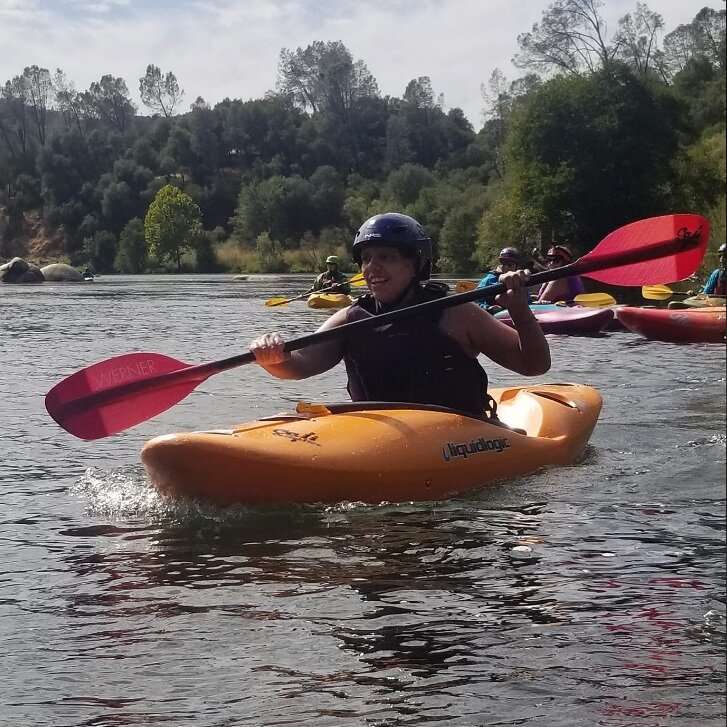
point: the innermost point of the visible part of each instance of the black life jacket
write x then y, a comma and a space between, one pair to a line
412, 360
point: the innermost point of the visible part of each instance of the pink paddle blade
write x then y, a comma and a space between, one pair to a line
650, 233
77, 403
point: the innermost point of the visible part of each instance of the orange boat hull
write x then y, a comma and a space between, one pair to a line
375, 454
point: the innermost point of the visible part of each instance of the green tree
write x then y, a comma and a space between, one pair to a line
204, 252
132, 251
14, 115
100, 251
108, 100
593, 152
39, 88
70, 103
637, 40
457, 239
269, 254
172, 221
403, 185
571, 37
160, 93
324, 77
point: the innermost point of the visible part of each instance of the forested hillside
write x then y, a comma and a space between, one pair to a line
597, 132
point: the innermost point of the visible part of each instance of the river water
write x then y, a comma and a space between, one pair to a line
587, 595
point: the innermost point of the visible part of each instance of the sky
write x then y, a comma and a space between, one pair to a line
230, 48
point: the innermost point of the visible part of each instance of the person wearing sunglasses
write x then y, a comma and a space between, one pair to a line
564, 289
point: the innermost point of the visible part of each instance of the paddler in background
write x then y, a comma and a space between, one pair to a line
509, 260
564, 289
430, 358
717, 282
332, 279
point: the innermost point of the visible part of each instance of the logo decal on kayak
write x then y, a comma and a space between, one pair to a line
452, 450
309, 438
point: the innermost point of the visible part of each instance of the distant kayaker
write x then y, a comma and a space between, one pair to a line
717, 282
427, 359
332, 279
509, 260
564, 289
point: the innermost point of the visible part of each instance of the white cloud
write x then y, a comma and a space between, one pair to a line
219, 48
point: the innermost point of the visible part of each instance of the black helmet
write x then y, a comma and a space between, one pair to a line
396, 230
510, 253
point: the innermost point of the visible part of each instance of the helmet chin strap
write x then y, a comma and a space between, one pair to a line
386, 307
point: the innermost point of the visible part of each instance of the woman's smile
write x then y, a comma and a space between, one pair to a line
386, 271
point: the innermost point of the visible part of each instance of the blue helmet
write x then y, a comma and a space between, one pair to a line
393, 229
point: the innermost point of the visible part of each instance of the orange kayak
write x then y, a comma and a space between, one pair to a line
372, 452
690, 325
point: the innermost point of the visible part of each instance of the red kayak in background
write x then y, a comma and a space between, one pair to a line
692, 325
572, 321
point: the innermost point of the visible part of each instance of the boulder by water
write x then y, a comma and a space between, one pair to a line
20, 271
61, 273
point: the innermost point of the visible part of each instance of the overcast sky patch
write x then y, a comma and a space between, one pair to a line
228, 48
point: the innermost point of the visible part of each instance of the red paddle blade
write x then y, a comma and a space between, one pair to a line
112, 395
676, 264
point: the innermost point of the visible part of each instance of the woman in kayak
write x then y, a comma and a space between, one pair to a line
564, 289
426, 359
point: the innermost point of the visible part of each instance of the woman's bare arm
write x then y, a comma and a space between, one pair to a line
309, 361
523, 349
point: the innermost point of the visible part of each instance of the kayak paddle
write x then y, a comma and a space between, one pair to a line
591, 300
657, 292
664, 292
115, 394
595, 300
357, 281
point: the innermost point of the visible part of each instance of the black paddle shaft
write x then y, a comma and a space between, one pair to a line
582, 266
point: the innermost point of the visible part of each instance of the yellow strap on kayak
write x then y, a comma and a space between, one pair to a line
306, 408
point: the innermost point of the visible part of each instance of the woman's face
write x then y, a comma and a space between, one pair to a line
386, 272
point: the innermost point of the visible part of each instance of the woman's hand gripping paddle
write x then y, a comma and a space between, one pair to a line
120, 392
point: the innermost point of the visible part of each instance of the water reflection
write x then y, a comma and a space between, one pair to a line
591, 594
